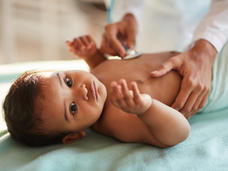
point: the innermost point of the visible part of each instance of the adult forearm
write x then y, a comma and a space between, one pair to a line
207, 50
214, 27
167, 125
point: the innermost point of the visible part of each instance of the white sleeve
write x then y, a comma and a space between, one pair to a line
214, 25
121, 7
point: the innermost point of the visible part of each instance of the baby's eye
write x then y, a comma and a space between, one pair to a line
73, 108
68, 82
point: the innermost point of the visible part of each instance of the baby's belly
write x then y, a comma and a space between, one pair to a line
166, 87
163, 88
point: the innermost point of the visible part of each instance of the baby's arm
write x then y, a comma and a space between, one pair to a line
85, 48
168, 126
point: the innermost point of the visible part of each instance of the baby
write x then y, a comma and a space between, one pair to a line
118, 98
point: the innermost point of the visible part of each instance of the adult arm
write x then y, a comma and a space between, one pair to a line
195, 65
214, 25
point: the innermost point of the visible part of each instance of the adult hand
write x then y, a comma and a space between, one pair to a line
119, 34
195, 66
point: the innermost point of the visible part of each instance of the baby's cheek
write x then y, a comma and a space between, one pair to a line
95, 112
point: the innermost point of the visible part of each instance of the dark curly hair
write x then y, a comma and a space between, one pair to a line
23, 122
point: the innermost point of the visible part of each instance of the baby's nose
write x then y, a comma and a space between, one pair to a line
84, 91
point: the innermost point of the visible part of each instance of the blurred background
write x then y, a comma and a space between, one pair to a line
32, 30
37, 29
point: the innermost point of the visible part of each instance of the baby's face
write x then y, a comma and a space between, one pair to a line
70, 101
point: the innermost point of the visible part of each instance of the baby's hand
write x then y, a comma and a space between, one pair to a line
131, 101
83, 46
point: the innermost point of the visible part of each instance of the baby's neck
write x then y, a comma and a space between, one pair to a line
95, 125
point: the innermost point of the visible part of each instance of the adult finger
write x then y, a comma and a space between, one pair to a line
131, 41
204, 101
199, 101
172, 63
105, 48
189, 115
185, 91
188, 107
117, 46
111, 31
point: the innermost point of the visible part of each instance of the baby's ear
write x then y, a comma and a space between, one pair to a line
71, 137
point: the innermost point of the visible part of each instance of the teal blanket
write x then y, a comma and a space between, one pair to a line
205, 149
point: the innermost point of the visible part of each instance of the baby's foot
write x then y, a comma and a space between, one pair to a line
83, 46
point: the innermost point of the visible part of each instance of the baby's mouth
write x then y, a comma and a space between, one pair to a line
94, 90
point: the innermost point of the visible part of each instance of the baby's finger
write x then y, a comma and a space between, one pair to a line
117, 90
120, 98
136, 92
90, 41
126, 93
125, 89
84, 41
114, 98
89, 38
78, 44
75, 44
131, 93
69, 43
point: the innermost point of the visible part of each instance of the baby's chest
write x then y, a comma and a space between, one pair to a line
121, 125
135, 70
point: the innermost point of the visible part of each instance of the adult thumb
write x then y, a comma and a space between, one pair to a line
131, 41
163, 69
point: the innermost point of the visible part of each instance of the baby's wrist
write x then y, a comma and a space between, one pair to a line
147, 108
93, 54
95, 59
